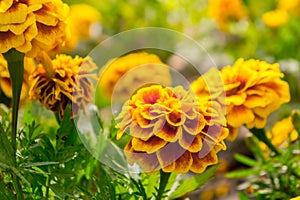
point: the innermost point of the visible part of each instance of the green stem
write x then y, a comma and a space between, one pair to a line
15, 63
261, 135
164, 177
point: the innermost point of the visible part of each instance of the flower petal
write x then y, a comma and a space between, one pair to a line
240, 115
151, 145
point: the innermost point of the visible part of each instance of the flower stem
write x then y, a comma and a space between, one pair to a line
261, 135
164, 177
15, 63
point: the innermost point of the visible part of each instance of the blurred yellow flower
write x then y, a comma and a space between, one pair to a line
288, 5
62, 81
254, 89
5, 83
295, 198
281, 133
31, 26
131, 71
84, 21
224, 11
171, 130
275, 18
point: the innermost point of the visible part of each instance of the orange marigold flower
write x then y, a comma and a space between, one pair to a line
63, 80
150, 66
31, 26
171, 130
223, 11
5, 83
254, 89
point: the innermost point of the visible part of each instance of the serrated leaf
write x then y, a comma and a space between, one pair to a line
246, 160
6, 150
193, 183
242, 173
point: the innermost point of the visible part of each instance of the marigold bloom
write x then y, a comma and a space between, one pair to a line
85, 17
31, 26
223, 11
254, 89
5, 83
281, 133
150, 66
63, 80
170, 130
275, 18
288, 5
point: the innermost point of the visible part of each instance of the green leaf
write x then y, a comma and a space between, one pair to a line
242, 196
243, 173
5, 192
193, 183
246, 160
6, 150
261, 135
40, 164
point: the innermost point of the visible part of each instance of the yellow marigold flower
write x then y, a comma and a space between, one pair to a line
31, 26
117, 68
275, 18
5, 83
288, 5
223, 11
63, 80
295, 198
254, 89
84, 16
170, 130
281, 133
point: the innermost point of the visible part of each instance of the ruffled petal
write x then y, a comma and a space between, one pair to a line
151, 145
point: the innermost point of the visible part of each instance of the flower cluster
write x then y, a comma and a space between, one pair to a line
63, 80
171, 130
31, 26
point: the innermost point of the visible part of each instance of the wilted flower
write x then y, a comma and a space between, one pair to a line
171, 130
31, 26
5, 82
275, 18
254, 89
62, 81
132, 71
223, 11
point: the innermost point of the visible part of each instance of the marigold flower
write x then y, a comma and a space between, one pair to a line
288, 5
5, 82
84, 16
63, 80
275, 18
31, 26
223, 11
254, 89
170, 130
281, 133
150, 66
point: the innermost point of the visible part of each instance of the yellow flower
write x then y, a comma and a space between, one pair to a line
295, 198
5, 83
223, 11
63, 80
150, 66
171, 130
254, 89
275, 18
31, 26
84, 16
281, 133
288, 5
